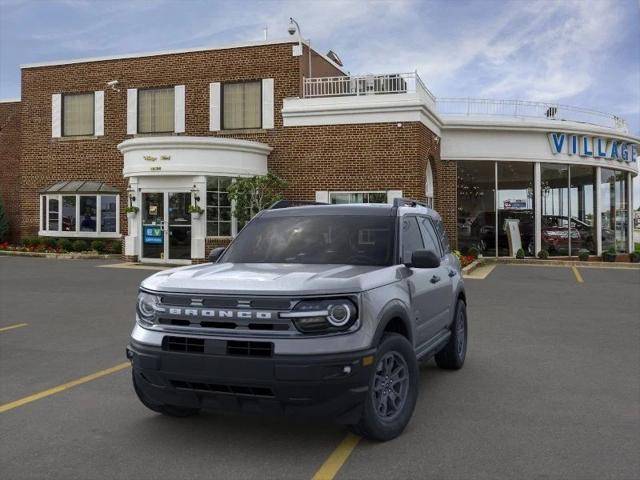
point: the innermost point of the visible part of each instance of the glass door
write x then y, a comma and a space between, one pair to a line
179, 226
153, 226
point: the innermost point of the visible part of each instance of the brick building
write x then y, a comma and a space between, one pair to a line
162, 131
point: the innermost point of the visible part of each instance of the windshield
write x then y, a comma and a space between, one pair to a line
319, 239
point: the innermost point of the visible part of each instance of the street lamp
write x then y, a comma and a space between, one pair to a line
293, 28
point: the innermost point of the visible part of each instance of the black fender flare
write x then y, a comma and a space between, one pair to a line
393, 309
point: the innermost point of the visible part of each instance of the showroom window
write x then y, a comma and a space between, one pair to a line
357, 197
219, 214
242, 105
156, 110
477, 207
515, 206
79, 209
614, 210
78, 114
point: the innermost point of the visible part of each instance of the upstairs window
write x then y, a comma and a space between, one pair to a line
78, 114
242, 105
156, 110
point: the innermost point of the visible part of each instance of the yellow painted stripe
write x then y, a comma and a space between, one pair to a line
11, 327
60, 388
577, 274
334, 463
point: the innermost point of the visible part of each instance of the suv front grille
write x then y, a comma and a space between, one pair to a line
183, 344
217, 347
250, 349
229, 389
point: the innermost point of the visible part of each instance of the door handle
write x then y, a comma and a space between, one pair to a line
452, 273
435, 279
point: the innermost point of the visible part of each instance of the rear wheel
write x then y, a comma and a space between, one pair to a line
452, 356
393, 391
169, 410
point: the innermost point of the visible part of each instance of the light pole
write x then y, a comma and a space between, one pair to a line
293, 28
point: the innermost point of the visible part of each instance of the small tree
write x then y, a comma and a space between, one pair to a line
253, 194
4, 223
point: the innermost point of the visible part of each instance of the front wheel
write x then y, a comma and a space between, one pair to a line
393, 391
452, 356
169, 410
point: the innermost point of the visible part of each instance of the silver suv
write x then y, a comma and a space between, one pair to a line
314, 310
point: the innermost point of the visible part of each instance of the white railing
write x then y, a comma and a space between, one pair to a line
521, 108
356, 85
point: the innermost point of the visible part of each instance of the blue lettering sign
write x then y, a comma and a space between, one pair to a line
613, 153
586, 148
634, 153
624, 152
601, 150
153, 235
573, 146
557, 142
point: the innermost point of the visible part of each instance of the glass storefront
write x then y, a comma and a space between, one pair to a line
582, 209
554, 192
515, 206
614, 210
476, 207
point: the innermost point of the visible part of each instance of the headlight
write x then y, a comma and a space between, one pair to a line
147, 306
323, 316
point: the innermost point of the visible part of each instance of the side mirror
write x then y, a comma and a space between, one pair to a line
215, 254
424, 259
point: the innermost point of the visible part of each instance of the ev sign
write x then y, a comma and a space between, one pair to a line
597, 147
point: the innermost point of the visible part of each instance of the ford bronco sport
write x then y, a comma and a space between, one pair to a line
317, 309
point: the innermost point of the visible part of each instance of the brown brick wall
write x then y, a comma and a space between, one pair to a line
10, 163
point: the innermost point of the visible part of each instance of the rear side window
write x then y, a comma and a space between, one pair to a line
443, 235
411, 238
429, 235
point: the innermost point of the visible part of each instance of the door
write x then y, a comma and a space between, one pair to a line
166, 227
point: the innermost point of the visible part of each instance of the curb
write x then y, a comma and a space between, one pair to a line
63, 256
558, 263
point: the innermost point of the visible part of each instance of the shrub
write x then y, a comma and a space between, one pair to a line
114, 246
80, 246
4, 223
28, 242
48, 243
98, 246
543, 254
473, 252
520, 254
610, 255
66, 244
635, 257
583, 254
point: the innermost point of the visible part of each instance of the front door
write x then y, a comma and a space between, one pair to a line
166, 227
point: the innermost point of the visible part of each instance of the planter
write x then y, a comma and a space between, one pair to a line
195, 215
609, 257
131, 216
634, 257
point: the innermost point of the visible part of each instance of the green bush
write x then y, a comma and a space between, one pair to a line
4, 223
48, 242
66, 244
473, 252
634, 257
520, 253
98, 246
543, 254
583, 254
80, 246
114, 246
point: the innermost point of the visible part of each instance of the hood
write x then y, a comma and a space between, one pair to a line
271, 279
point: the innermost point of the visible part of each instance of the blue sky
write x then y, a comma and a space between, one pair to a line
578, 52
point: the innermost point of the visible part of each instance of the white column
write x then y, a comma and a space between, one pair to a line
630, 212
132, 245
598, 211
199, 227
537, 182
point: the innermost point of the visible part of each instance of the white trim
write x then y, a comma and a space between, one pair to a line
56, 115
392, 194
214, 107
10, 100
598, 212
630, 211
322, 196
179, 108
98, 113
157, 53
537, 208
132, 111
268, 119
60, 234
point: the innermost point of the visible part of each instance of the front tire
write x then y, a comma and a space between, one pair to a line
452, 356
168, 410
393, 391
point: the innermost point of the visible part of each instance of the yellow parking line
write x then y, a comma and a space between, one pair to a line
334, 463
577, 274
11, 327
74, 383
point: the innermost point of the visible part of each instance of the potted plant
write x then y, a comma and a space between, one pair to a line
195, 211
610, 255
543, 254
131, 212
520, 254
635, 256
583, 255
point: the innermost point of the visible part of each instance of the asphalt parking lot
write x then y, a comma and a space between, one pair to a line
551, 389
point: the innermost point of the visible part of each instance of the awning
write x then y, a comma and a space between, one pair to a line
80, 186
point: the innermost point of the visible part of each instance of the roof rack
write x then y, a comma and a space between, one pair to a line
408, 202
293, 203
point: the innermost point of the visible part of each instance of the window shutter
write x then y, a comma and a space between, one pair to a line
132, 111
178, 111
214, 106
267, 103
56, 115
98, 112
391, 194
322, 196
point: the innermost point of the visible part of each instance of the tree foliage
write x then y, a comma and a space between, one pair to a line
252, 194
4, 223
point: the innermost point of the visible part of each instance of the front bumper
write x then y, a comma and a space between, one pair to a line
310, 385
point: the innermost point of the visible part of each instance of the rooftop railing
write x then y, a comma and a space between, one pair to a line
478, 107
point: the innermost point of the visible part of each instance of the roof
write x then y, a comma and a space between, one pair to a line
80, 186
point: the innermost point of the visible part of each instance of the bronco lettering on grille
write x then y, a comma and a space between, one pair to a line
212, 313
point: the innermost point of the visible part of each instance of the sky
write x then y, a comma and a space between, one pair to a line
576, 52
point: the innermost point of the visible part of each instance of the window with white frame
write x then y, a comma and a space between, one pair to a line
219, 214
78, 114
242, 105
79, 209
156, 110
357, 197
429, 185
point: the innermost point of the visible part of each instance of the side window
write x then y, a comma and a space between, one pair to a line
411, 238
429, 236
443, 235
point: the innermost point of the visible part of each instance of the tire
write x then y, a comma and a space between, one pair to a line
385, 416
452, 356
168, 410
